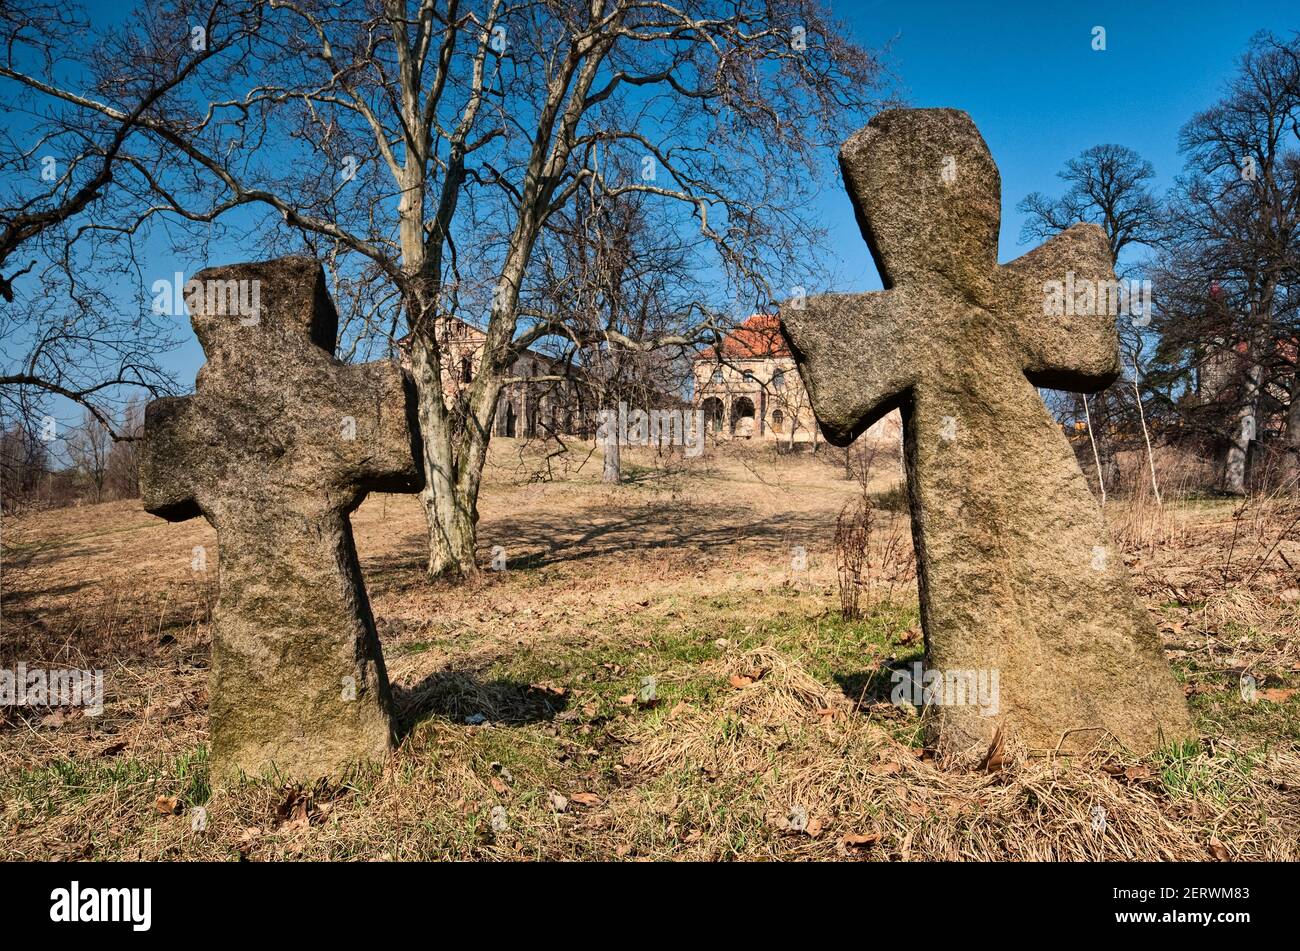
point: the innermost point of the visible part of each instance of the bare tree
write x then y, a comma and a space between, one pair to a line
430, 145
89, 447
24, 459
1233, 263
1109, 185
619, 284
65, 333
123, 476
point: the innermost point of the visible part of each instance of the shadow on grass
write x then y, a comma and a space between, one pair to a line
460, 696
868, 688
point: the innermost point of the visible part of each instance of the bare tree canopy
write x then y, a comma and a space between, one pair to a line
425, 149
1109, 185
1229, 273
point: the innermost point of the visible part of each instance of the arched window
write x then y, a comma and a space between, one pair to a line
749, 376
778, 420
717, 375
466, 370
778, 380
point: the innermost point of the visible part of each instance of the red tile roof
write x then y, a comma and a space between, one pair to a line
759, 338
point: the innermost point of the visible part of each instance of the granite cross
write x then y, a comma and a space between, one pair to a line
1021, 588
279, 443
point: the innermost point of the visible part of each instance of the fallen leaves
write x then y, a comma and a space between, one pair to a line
168, 805
299, 810
746, 677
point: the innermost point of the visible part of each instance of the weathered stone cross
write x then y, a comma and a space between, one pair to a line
1017, 575
279, 443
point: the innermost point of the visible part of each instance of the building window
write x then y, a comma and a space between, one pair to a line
778, 380
749, 376
778, 420
466, 370
717, 376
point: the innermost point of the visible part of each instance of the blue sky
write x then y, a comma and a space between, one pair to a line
1029, 77
1027, 74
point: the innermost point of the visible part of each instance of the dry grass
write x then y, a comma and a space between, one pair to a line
770, 735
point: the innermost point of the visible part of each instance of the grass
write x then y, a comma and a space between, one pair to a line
770, 736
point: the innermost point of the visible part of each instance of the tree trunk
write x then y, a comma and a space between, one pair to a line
451, 518
613, 469
1243, 434
1291, 445
450, 513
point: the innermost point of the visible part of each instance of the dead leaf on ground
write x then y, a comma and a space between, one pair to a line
168, 805
859, 842
296, 810
996, 755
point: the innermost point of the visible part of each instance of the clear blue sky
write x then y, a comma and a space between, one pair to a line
1027, 74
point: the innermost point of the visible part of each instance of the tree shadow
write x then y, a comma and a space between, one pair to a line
868, 688
462, 697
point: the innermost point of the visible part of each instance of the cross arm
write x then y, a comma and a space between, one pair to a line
854, 356
1057, 298
378, 447
169, 463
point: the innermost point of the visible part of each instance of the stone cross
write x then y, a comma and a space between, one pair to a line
279, 443
1019, 582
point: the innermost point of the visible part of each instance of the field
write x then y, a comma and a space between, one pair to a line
533, 732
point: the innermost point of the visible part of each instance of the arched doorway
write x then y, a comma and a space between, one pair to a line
742, 417
712, 414
510, 420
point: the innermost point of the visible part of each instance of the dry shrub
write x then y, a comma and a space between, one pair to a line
873, 551
872, 546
